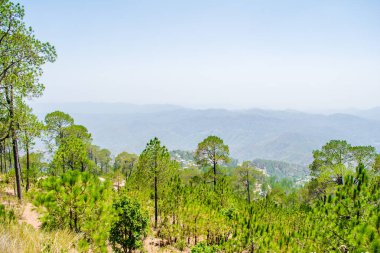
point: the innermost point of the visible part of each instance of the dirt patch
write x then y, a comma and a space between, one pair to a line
154, 245
30, 216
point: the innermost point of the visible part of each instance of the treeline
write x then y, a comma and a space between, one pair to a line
215, 209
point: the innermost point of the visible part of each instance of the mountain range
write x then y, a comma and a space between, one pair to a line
287, 135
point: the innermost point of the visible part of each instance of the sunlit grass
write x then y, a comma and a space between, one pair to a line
23, 238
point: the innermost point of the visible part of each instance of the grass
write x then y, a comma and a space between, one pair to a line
23, 238
19, 237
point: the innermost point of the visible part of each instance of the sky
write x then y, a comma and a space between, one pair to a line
303, 55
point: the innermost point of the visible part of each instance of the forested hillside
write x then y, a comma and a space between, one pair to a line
281, 169
76, 196
278, 169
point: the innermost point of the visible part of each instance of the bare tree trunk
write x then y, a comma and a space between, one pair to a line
10, 165
16, 162
27, 168
155, 202
17, 165
5, 157
214, 176
63, 164
252, 249
1, 158
248, 190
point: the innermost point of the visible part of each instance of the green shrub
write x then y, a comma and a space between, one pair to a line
129, 226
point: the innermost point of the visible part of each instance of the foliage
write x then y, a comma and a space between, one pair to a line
129, 226
336, 157
22, 56
71, 155
212, 152
204, 248
77, 201
350, 216
55, 123
248, 178
376, 165
6, 216
154, 169
125, 162
36, 168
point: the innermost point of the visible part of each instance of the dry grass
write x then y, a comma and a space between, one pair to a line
23, 238
20, 237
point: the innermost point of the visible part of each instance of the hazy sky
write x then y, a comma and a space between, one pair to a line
236, 54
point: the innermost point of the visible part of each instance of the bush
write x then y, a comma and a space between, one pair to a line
129, 226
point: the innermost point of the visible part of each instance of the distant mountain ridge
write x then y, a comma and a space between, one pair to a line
267, 134
373, 114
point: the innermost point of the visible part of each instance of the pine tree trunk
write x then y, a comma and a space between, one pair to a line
10, 158
27, 168
16, 163
248, 190
63, 164
252, 249
155, 202
1, 159
214, 175
5, 157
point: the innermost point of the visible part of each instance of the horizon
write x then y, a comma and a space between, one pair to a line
351, 110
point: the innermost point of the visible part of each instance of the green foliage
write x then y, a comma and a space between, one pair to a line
334, 161
22, 56
212, 152
6, 216
80, 202
36, 166
76, 131
55, 123
350, 214
31, 128
105, 159
72, 144
337, 156
154, 169
71, 155
129, 226
204, 248
125, 163
376, 165
247, 178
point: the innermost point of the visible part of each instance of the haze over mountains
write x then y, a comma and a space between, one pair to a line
277, 135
